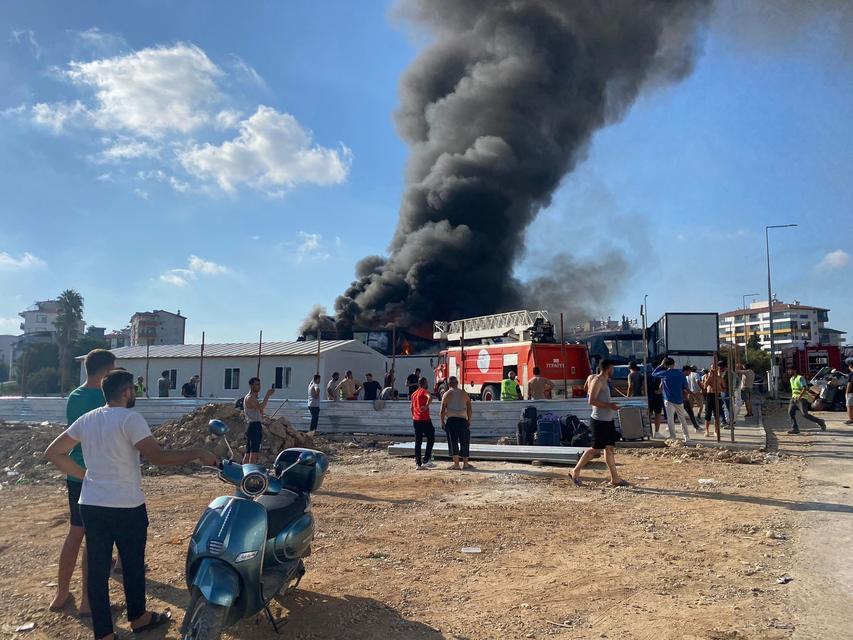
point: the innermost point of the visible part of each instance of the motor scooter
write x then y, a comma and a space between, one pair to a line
246, 548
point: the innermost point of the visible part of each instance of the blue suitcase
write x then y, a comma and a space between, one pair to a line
548, 431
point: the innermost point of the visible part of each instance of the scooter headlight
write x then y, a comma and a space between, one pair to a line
254, 483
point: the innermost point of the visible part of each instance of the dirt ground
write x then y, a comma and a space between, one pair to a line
693, 550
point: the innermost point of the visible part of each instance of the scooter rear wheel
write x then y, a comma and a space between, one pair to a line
204, 620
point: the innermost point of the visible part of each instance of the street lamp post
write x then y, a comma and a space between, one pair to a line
745, 337
773, 374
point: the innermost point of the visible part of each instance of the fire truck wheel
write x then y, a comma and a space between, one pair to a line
490, 393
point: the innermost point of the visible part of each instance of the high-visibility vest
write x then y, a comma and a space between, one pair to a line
140, 389
798, 383
509, 389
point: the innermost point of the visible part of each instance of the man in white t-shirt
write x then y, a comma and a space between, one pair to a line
112, 504
314, 402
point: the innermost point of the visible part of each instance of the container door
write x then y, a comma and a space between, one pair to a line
451, 366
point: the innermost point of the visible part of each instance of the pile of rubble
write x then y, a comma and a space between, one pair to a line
677, 449
191, 430
21, 448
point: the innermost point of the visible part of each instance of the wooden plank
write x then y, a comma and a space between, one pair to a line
508, 453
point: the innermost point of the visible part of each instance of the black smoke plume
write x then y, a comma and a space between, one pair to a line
497, 110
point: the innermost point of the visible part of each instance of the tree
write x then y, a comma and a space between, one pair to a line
753, 342
35, 357
80, 347
44, 381
68, 319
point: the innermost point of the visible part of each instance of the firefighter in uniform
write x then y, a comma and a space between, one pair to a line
509, 388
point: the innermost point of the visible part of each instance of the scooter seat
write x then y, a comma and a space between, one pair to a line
282, 510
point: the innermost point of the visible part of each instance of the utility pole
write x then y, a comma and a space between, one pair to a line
774, 380
643, 312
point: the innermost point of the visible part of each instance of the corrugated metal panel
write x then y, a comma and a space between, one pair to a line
234, 349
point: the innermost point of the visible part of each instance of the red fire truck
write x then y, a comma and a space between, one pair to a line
811, 359
492, 346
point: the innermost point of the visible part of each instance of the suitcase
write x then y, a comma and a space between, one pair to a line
631, 423
548, 431
525, 431
529, 413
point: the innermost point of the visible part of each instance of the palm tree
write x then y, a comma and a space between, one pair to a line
68, 318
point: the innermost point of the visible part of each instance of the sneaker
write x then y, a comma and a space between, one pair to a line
848, 422
420, 467
823, 426
429, 465
794, 432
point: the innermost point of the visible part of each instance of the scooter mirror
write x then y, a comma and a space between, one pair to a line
217, 427
306, 457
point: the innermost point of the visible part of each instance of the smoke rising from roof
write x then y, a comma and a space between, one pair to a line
497, 110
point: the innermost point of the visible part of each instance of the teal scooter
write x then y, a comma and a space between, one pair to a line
248, 547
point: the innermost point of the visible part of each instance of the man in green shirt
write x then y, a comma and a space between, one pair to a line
799, 387
82, 400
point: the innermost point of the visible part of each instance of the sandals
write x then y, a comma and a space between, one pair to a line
157, 620
621, 483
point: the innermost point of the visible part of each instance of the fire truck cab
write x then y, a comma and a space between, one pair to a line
492, 346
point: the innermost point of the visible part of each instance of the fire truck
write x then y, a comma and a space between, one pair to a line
492, 346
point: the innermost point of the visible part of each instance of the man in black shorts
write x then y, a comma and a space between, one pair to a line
253, 408
602, 424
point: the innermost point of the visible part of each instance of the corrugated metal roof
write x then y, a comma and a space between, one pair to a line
234, 349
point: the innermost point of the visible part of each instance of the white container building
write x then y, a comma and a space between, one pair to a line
227, 367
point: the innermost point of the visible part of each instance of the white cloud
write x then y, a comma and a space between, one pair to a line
310, 247
228, 118
207, 267
150, 92
142, 193
161, 176
55, 116
10, 325
247, 72
105, 177
178, 277
834, 260
14, 111
101, 41
272, 152
196, 267
27, 261
28, 37
128, 149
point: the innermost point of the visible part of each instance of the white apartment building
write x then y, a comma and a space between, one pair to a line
793, 325
157, 327
41, 319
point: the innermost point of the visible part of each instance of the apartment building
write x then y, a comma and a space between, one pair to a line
157, 327
794, 324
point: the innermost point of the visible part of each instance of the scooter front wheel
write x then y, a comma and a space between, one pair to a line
204, 620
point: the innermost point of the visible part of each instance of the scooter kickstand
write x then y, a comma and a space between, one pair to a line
271, 619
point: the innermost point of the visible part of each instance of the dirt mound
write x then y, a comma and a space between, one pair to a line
191, 430
21, 446
676, 449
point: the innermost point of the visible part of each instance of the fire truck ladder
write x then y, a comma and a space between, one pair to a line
494, 326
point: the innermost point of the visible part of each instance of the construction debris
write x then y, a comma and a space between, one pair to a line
191, 430
21, 448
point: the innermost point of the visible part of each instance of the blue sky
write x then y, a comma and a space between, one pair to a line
234, 161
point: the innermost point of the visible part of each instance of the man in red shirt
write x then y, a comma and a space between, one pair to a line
423, 425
